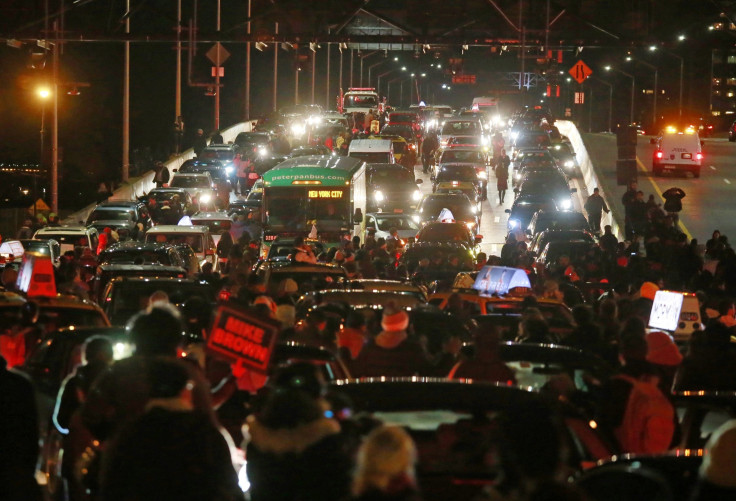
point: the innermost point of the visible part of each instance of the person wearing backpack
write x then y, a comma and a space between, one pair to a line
634, 411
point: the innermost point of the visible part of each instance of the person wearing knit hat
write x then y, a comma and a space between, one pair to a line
648, 290
663, 354
717, 479
392, 352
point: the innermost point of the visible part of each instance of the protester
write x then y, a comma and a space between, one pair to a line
595, 206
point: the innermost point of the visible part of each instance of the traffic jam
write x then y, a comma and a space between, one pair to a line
312, 311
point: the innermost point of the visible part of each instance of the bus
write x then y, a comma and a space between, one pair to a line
320, 198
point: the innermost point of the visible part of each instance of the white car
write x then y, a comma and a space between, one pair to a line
70, 237
199, 185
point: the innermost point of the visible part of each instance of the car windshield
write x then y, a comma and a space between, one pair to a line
398, 130
190, 182
400, 223
439, 257
385, 176
402, 117
461, 156
111, 215
134, 256
67, 239
445, 232
128, 298
219, 153
466, 140
36, 246
538, 139
308, 280
464, 128
194, 240
371, 157
251, 138
563, 221
464, 173
216, 226
361, 101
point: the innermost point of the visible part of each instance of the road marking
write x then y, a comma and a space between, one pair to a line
659, 192
727, 181
497, 219
713, 167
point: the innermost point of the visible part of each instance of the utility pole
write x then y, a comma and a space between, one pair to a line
351, 67
275, 68
314, 70
247, 68
327, 79
55, 125
126, 98
177, 113
217, 72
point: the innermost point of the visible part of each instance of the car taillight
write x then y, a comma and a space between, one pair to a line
659, 154
224, 295
698, 156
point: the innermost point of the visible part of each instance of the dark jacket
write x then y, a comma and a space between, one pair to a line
18, 437
309, 462
169, 454
406, 358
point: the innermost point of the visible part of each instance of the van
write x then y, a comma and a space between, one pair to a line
677, 150
373, 151
677, 313
197, 237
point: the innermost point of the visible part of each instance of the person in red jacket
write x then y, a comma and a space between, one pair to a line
486, 365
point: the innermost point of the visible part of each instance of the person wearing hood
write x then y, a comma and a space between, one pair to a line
392, 352
717, 480
294, 450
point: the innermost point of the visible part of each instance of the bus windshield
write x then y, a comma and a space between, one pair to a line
298, 208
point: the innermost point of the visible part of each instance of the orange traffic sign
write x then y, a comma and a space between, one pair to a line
580, 71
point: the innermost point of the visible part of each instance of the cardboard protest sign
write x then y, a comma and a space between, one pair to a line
243, 338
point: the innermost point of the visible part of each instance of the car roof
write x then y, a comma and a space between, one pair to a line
211, 215
173, 228
117, 203
134, 245
192, 174
283, 266
63, 229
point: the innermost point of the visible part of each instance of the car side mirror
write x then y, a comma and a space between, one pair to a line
653, 141
419, 181
478, 239
573, 190
508, 211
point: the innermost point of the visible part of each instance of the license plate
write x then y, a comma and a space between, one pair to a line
398, 211
669, 166
253, 175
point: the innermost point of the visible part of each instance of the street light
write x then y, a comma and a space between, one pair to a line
633, 90
363, 58
43, 94
656, 73
682, 70
370, 69
378, 86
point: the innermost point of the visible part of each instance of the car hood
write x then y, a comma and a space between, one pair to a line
115, 224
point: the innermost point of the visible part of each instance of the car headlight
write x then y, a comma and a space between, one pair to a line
484, 140
513, 223
517, 175
514, 135
312, 120
416, 219
470, 225
243, 481
497, 119
229, 170
416, 196
378, 195
298, 129
569, 164
482, 174
566, 204
262, 152
473, 210
205, 198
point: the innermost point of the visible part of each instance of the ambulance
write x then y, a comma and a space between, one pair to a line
677, 150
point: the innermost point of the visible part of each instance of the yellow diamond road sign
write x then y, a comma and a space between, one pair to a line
213, 53
580, 71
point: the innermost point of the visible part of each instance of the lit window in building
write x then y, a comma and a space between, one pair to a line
731, 81
731, 59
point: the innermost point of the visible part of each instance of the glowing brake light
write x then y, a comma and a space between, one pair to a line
659, 154
698, 156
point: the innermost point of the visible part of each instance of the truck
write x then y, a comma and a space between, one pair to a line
360, 100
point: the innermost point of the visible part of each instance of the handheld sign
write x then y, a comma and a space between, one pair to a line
36, 276
666, 309
243, 338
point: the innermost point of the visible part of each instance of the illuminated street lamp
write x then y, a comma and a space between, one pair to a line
43, 94
654, 48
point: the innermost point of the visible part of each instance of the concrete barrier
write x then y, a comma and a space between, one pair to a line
143, 184
590, 177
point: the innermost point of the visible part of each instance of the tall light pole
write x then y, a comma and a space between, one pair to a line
633, 90
43, 94
275, 68
126, 99
362, 59
247, 67
610, 101
656, 73
370, 69
682, 72
378, 86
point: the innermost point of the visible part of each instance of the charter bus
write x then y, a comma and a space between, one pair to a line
317, 197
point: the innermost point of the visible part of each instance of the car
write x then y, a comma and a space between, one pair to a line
566, 158
220, 171
375, 284
255, 144
464, 155
405, 131
540, 240
392, 188
217, 221
169, 205
448, 232
409, 118
70, 238
536, 138
677, 150
197, 237
44, 247
223, 154
459, 127
560, 220
200, 186
404, 152
307, 276
459, 177
54, 312
456, 427
532, 159
381, 222
461, 207
547, 183
574, 249
123, 297
445, 261
524, 207
119, 215
732, 132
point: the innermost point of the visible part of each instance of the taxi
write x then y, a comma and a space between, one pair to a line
459, 178
404, 152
